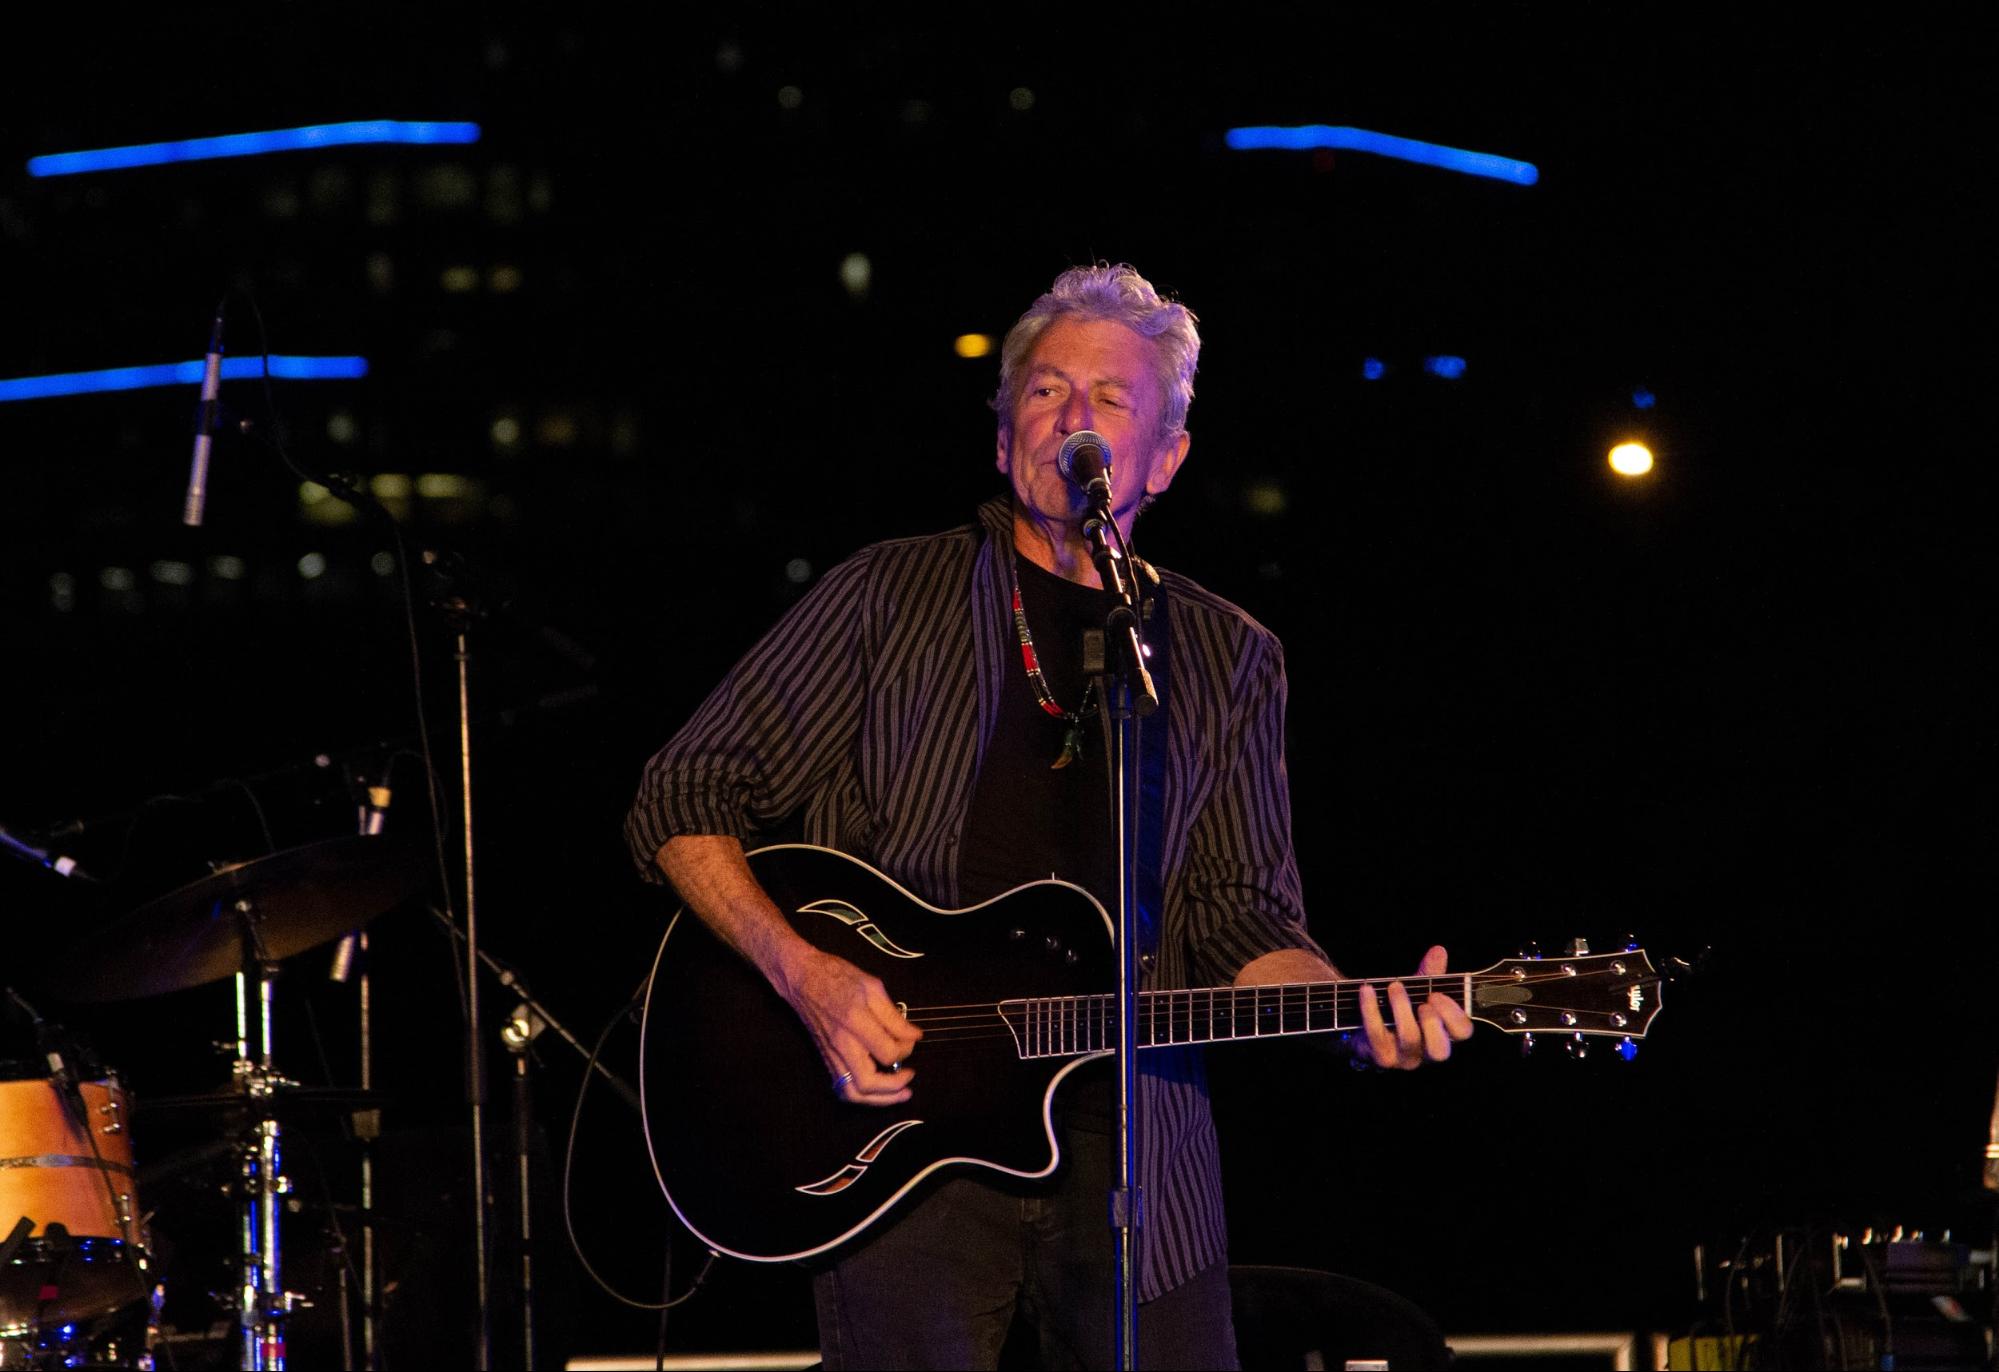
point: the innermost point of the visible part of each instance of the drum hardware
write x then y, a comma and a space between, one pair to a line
263, 1304
239, 922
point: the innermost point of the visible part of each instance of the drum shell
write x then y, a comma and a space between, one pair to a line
54, 1173
49, 1169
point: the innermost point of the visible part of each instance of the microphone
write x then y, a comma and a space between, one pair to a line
49, 1042
56, 862
1085, 463
374, 816
1992, 1149
204, 429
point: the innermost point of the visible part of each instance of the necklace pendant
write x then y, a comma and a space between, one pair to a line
1072, 744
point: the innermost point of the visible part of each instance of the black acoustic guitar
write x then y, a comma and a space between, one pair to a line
760, 1159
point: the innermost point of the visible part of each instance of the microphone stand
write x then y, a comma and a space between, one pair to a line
1115, 660
458, 605
511, 979
519, 1032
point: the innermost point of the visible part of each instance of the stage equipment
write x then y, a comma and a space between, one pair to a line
284, 904
459, 601
243, 920
1818, 1297
61, 864
196, 505
75, 1251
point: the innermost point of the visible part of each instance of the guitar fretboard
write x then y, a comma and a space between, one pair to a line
1065, 1026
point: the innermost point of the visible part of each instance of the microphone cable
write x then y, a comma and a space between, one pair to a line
667, 1300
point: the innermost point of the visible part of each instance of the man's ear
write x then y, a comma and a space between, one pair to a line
1000, 458
1172, 453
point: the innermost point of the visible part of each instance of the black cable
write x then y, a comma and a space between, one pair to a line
1728, 1306
568, 1218
345, 490
1830, 1336
312, 1156
666, 1304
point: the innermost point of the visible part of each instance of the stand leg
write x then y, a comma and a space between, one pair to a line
367, 1127
522, 1142
518, 1033
475, 1048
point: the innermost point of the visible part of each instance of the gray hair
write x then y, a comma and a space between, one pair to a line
1119, 294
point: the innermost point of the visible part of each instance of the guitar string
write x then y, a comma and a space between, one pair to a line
1068, 1019
1319, 995
1314, 1020
1199, 1026
1350, 986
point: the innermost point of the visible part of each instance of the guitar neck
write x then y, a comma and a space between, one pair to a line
1065, 1026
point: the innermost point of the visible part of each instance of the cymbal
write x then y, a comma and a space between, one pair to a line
294, 900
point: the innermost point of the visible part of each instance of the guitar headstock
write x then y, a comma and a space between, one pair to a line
1614, 994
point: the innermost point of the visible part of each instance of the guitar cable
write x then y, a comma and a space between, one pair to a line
668, 1301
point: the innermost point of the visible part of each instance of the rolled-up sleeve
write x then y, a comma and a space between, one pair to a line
1242, 890
780, 723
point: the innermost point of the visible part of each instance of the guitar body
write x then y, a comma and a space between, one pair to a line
756, 1154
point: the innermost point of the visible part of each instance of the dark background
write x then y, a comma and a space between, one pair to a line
1742, 705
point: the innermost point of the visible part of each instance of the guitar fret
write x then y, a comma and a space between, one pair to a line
1068, 1026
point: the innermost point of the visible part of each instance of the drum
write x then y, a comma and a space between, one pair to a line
73, 1180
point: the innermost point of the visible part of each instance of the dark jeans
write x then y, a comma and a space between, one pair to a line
938, 1288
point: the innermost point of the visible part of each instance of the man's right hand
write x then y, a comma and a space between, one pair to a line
862, 1036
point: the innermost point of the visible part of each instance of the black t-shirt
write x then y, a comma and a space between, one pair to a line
1029, 819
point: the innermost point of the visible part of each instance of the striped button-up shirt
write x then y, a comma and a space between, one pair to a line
867, 709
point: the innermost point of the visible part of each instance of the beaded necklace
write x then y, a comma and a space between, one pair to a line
1072, 737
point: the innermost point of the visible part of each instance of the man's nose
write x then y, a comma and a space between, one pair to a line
1076, 415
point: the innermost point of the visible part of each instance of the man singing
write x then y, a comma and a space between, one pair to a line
925, 708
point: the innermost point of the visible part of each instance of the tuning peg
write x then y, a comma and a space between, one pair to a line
1578, 1047
1526, 1045
1627, 1049
1577, 947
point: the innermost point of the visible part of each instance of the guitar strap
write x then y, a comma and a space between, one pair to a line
1152, 751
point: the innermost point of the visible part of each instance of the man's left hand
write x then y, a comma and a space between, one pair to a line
1420, 1033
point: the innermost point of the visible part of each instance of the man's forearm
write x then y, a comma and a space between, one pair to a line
1285, 966
712, 877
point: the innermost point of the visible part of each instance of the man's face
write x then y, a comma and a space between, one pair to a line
1098, 375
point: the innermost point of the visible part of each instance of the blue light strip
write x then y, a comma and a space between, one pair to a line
1344, 139
182, 374
252, 145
